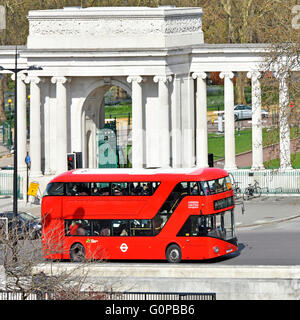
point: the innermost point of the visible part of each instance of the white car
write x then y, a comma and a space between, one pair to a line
242, 111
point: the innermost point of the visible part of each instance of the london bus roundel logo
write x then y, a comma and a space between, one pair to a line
123, 247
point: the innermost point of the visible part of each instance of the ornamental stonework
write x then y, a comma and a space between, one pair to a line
118, 26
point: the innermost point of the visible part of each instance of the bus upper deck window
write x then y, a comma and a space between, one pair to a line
119, 189
194, 189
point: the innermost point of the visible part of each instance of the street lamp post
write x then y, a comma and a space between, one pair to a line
16, 70
10, 120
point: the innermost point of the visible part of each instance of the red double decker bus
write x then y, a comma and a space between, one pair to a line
148, 214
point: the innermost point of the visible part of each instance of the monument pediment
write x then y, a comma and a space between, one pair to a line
115, 28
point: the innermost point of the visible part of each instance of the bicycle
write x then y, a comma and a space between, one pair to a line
237, 192
253, 191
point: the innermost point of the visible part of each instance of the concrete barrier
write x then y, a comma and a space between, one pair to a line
228, 282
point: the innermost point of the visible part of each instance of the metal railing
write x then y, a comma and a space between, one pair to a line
271, 181
186, 296
6, 184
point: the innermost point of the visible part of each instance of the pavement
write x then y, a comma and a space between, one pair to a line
266, 210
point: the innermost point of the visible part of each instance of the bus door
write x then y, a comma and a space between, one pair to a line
192, 237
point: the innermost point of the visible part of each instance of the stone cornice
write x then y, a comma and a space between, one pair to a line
116, 12
115, 27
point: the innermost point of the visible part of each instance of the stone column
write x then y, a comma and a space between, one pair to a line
48, 127
201, 121
188, 123
35, 126
163, 118
257, 143
83, 139
229, 120
284, 129
22, 125
138, 160
61, 123
176, 124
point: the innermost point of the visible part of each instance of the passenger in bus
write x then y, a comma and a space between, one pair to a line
95, 191
116, 191
105, 232
131, 189
83, 191
81, 231
205, 188
145, 191
124, 233
74, 191
138, 189
104, 191
195, 190
73, 228
76, 229
218, 187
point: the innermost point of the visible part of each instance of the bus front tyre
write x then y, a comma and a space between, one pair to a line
173, 253
77, 253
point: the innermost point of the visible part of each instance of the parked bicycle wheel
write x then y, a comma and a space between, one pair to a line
246, 194
237, 192
257, 192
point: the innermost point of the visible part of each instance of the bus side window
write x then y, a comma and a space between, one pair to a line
120, 228
184, 188
194, 189
72, 189
104, 188
119, 189
141, 227
159, 222
155, 186
54, 189
204, 188
191, 227
101, 228
78, 227
77, 189
95, 189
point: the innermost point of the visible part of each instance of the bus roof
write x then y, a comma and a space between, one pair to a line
127, 174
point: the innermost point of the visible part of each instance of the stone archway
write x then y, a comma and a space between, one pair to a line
93, 117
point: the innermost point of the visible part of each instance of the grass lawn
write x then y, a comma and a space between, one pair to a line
275, 163
118, 111
243, 142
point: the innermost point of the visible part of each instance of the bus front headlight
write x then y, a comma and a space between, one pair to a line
216, 249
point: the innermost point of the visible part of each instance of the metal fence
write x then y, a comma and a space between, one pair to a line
160, 296
6, 295
6, 184
271, 181
6, 134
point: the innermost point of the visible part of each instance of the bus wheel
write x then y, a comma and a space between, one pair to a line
77, 253
173, 253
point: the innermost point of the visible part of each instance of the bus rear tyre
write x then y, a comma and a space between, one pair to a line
77, 253
173, 253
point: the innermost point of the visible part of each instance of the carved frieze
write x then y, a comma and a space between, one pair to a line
126, 26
